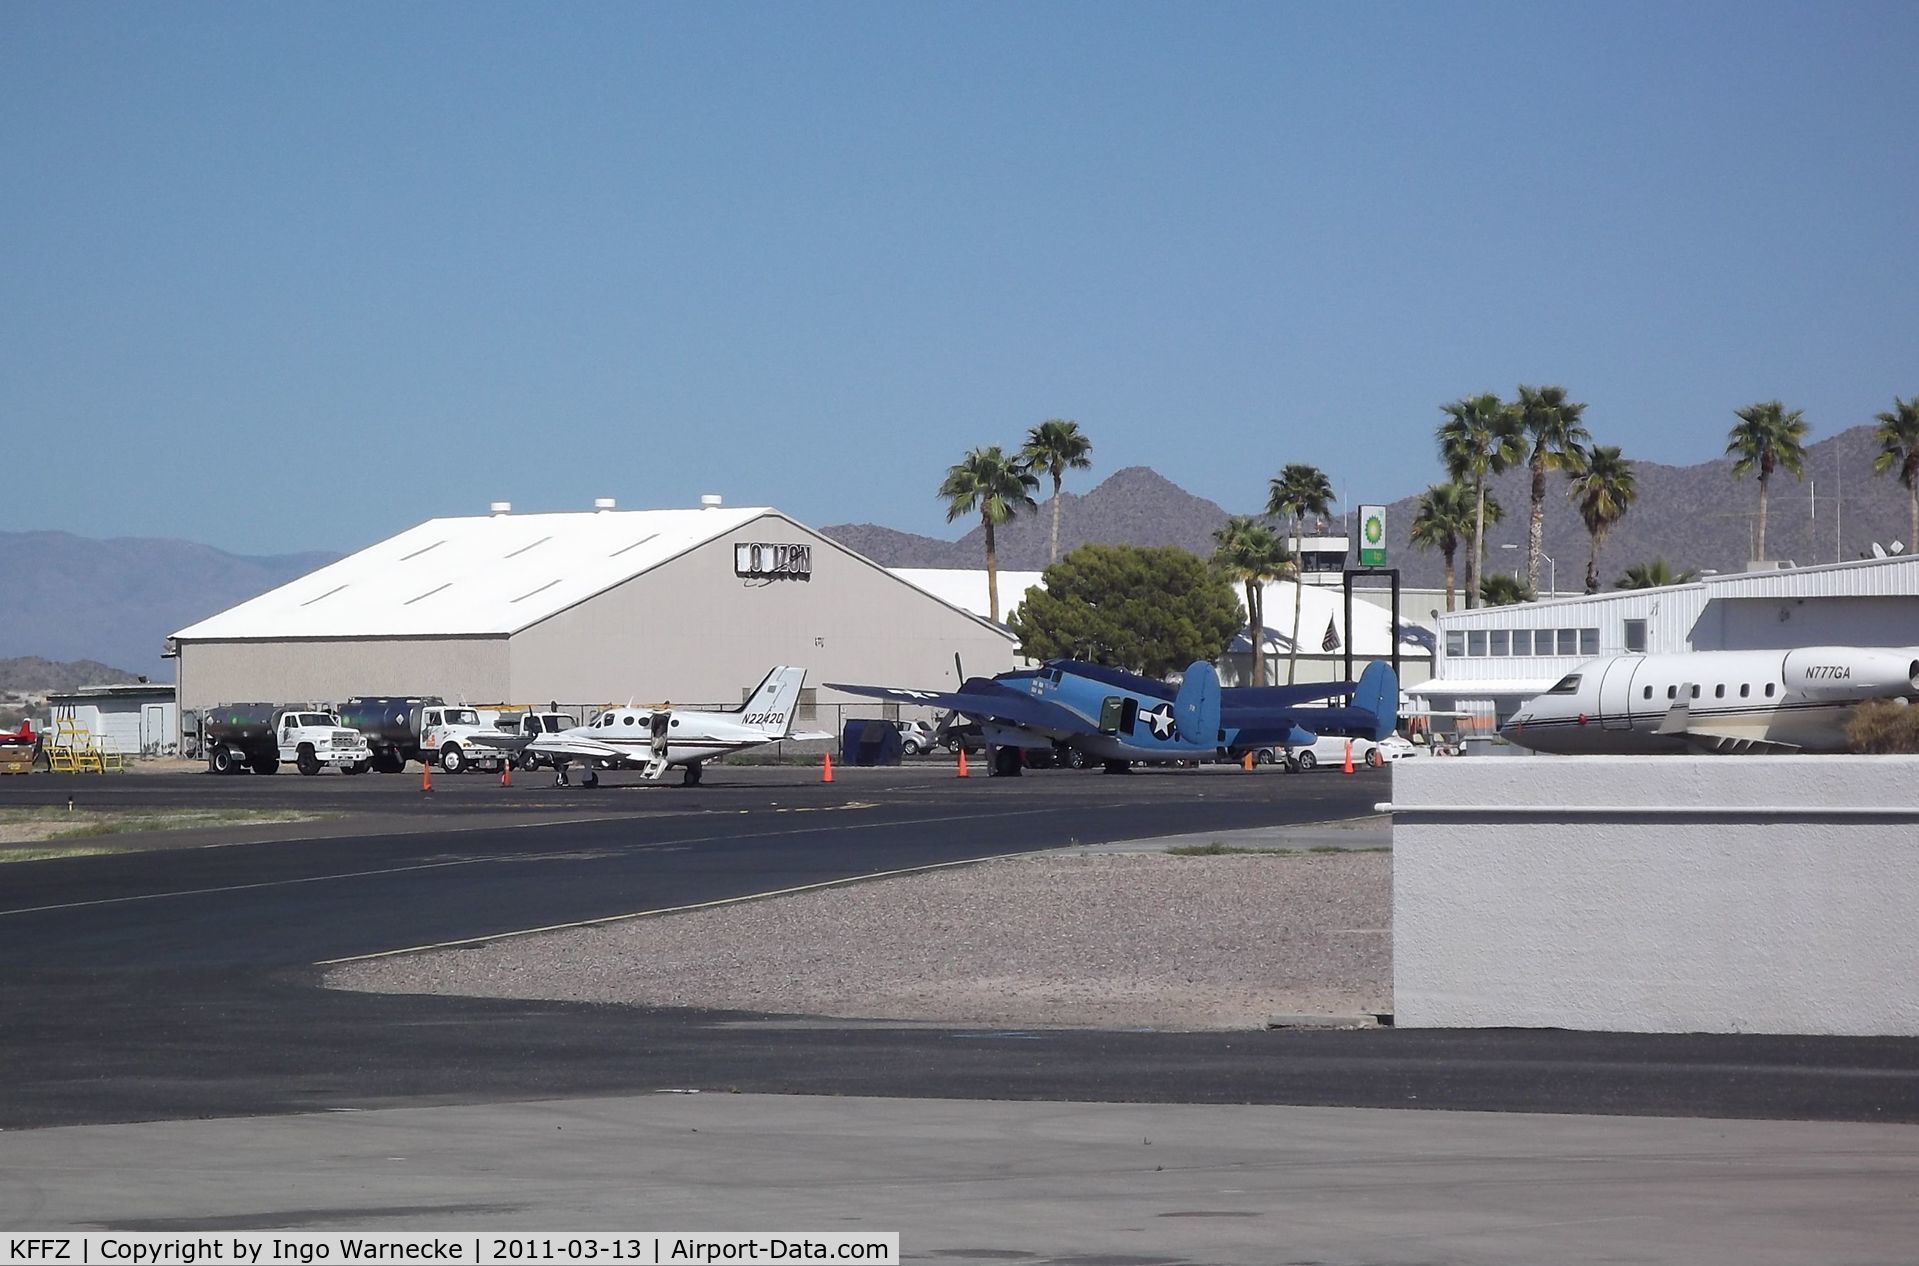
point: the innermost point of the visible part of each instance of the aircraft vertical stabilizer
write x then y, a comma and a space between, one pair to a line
1196, 706
773, 705
1377, 692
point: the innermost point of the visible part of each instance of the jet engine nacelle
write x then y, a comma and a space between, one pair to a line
1849, 672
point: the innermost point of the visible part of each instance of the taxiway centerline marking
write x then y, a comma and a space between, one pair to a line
649, 914
473, 861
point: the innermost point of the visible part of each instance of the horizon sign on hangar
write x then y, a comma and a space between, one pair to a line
764, 559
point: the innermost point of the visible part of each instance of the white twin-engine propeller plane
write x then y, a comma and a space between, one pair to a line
655, 738
1714, 701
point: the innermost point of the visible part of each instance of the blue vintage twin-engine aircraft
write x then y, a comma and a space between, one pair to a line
1118, 717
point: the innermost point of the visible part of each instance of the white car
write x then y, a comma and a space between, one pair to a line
916, 737
1329, 751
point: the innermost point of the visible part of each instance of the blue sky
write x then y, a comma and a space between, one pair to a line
286, 277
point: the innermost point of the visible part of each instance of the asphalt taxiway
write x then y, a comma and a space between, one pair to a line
181, 983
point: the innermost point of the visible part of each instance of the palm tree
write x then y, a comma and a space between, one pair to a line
1298, 490
1898, 437
1551, 423
998, 487
1768, 438
1501, 590
1252, 555
1056, 446
1445, 518
1479, 437
1652, 576
1604, 489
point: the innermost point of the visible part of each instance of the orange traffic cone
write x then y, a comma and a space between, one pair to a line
506, 773
962, 767
826, 767
426, 775
1246, 762
1348, 767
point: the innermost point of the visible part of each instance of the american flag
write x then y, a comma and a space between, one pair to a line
1331, 641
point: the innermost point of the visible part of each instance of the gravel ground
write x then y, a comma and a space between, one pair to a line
1127, 941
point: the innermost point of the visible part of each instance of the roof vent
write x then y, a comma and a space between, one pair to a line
603, 504
710, 501
500, 507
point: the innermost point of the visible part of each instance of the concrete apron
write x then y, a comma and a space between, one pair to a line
971, 1181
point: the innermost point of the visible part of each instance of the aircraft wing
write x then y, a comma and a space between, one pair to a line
985, 701
578, 748
807, 736
1678, 722
502, 741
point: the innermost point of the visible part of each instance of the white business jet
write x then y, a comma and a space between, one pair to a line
653, 739
1714, 701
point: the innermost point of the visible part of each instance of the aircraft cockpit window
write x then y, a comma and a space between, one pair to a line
1567, 685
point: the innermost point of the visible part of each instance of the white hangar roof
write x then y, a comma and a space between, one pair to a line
965, 587
480, 575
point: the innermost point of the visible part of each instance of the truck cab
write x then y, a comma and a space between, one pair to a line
313, 741
447, 734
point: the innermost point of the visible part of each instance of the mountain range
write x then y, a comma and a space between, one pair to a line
1695, 517
65, 597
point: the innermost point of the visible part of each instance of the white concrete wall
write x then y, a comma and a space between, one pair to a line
1749, 894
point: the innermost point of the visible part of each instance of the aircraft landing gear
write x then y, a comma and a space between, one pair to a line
690, 776
591, 778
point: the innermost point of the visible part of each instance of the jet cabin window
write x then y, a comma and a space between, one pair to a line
1567, 685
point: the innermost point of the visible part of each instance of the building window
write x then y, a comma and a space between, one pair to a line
1501, 642
1455, 642
1522, 641
1589, 642
1476, 643
1636, 636
1569, 641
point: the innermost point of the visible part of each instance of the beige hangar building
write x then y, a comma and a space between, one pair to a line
588, 608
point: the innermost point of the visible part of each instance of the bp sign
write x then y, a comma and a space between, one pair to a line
1372, 536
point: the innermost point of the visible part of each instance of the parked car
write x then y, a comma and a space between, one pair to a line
1330, 750
916, 737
